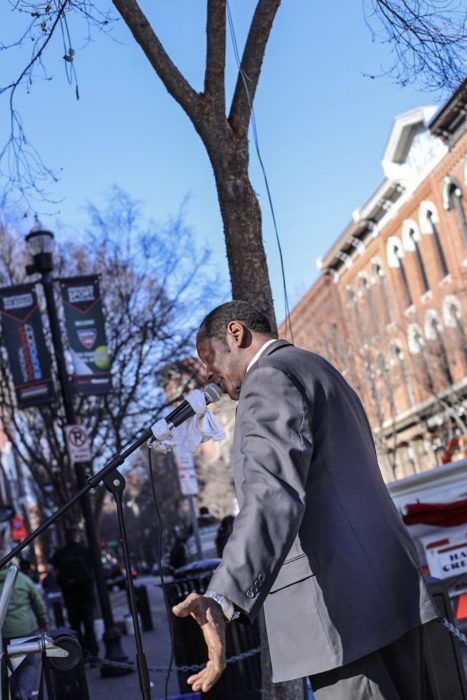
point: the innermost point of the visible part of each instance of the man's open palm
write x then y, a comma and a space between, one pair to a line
209, 616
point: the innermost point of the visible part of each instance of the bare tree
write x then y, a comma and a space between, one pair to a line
428, 39
152, 297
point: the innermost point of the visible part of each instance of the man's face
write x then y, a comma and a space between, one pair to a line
225, 362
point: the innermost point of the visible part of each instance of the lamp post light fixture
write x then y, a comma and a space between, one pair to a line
40, 244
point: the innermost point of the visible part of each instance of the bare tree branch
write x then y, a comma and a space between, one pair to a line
174, 81
250, 67
428, 39
214, 86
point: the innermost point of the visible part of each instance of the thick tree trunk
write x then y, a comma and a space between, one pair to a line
241, 216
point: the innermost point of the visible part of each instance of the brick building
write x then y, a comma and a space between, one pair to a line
389, 306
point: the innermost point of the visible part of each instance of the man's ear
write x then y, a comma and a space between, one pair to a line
236, 331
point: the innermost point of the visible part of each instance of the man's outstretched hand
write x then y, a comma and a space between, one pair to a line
209, 616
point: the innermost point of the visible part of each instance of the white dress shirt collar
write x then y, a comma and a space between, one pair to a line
260, 351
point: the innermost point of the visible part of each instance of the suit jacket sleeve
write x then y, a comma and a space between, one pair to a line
273, 426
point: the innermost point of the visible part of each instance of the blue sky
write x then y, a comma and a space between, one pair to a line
322, 125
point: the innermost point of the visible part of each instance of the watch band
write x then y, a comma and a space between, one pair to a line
227, 606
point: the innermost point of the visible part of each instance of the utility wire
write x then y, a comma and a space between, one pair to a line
288, 321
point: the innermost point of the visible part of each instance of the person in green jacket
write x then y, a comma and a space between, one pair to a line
26, 615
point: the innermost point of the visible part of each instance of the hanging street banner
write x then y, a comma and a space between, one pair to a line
23, 337
84, 321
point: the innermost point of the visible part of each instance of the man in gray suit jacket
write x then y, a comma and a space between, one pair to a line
318, 541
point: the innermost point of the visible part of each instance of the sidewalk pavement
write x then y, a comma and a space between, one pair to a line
156, 646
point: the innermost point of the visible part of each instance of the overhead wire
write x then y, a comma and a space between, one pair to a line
244, 76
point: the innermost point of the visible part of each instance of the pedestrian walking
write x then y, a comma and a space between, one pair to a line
75, 577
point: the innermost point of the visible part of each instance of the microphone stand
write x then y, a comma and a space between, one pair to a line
115, 483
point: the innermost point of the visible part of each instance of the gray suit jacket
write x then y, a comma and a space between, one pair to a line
318, 540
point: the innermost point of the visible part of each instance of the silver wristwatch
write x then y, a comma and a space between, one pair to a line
227, 606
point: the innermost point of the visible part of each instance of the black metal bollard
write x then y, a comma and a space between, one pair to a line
445, 667
65, 676
55, 604
57, 608
144, 609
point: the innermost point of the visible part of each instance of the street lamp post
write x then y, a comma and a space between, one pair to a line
40, 245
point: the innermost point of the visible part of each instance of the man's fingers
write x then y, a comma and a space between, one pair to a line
205, 679
187, 606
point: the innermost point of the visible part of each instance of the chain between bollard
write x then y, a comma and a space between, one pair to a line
453, 630
182, 669
198, 667
245, 655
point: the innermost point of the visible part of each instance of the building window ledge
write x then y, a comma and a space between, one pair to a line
447, 279
427, 295
410, 310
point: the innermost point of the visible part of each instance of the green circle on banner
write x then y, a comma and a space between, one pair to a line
101, 357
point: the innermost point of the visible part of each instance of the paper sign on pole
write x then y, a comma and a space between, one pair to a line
186, 471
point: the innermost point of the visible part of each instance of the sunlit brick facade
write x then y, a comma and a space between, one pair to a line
389, 307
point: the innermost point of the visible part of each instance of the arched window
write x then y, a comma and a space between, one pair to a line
389, 389
411, 241
433, 332
429, 222
352, 303
416, 346
350, 296
399, 361
367, 294
378, 277
452, 199
338, 346
415, 339
371, 385
453, 318
395, 253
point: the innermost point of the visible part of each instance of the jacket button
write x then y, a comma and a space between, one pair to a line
250, 594
262, 578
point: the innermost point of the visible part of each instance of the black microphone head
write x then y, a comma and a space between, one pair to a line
212, 393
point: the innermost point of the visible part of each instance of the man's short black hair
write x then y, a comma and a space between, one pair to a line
216, 322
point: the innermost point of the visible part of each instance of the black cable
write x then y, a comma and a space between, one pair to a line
161, 572
69, 54
288, 321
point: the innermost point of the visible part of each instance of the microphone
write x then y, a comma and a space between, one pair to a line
212, 393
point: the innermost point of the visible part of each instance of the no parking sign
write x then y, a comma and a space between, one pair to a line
79, 446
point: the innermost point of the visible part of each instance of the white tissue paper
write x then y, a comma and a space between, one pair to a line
189, 435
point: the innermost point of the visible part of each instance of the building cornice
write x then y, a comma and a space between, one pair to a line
450, 122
